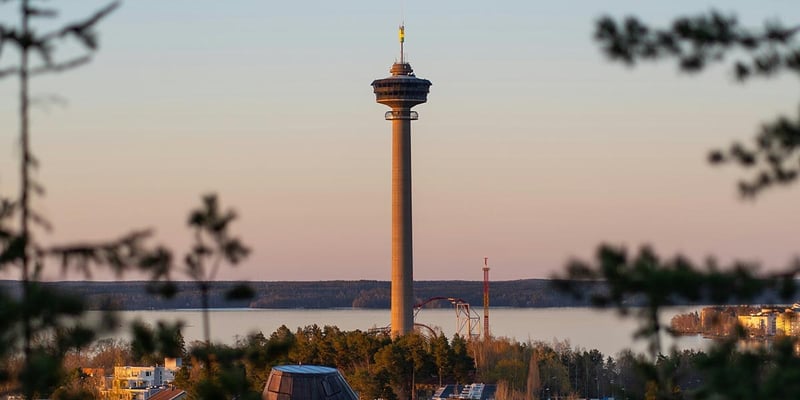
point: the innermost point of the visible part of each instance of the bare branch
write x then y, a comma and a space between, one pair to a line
40, 220
61, 67
82, 29
40, 12
119, 254
45, 101
9, 71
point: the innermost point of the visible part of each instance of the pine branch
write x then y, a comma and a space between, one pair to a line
701, 40
122, 254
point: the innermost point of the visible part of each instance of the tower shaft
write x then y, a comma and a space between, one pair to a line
402, 244
485, 298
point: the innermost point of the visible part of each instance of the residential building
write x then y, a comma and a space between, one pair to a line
140, 383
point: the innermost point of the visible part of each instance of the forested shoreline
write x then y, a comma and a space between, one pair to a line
134, 295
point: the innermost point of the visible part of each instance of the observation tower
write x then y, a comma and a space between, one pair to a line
401, 92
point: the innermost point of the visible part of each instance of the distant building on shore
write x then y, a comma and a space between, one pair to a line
724, 321
772, 321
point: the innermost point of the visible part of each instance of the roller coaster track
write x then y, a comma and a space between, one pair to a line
467, 320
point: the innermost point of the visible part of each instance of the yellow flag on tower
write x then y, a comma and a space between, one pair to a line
402, 34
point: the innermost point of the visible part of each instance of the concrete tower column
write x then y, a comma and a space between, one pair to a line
402, 239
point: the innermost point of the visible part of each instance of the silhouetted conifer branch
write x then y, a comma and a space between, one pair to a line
698, 41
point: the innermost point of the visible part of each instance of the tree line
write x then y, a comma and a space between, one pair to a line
135, 295
377, 366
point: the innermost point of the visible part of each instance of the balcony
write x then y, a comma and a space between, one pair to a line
409, 115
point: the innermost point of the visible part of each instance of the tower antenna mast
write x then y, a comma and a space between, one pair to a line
402, 28
402, 35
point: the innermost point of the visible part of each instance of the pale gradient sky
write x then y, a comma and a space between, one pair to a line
531, 150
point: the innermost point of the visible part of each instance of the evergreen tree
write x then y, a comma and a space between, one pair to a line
696, 42
41, 324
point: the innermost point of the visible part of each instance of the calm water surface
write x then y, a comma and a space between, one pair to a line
583, 327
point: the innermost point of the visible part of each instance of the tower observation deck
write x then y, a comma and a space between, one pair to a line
401, 91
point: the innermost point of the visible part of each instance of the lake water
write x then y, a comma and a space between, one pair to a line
583, 327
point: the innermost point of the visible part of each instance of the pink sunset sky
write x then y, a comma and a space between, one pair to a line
531, 150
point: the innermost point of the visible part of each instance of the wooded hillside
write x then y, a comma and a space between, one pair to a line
132, 295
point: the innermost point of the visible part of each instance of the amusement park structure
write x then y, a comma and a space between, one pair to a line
468, 323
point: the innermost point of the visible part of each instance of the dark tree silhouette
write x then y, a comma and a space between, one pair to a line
41, 324
696, 42
213, 245
44, 325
